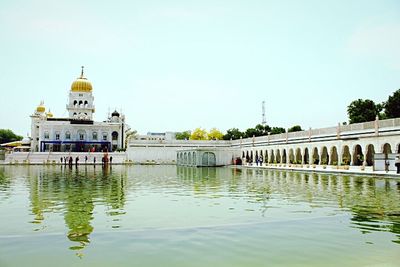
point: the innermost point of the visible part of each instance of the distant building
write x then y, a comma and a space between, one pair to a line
78, 132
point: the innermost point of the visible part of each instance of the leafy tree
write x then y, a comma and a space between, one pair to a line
250, 132
277, 130
183, 135
262, 130
362, 110
215, 134
233, 134
199, 134
296, 128
7, 135
392, 105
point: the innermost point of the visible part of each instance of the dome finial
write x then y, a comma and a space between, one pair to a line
82, 71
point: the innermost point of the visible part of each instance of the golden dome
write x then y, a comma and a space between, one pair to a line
81, 84
49, 114
41, 108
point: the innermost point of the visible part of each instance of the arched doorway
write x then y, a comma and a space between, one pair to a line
208, 159
306, 158
334, 156
358, 156
324, 156
266, 156
370, 155
291, 156
272, 157
284, 157
346, 156
278, 156
298, 156
251, 156
315, 156
387, 149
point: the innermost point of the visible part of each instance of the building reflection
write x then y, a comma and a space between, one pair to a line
74, 192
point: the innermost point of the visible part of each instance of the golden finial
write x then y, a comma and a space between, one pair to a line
82, 71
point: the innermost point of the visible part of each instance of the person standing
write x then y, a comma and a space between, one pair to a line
397, 164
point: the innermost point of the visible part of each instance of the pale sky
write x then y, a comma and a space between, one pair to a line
178, 65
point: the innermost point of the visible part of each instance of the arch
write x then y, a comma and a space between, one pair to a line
315, 156
346, 156
358, 156
278, 156
256, 157
272, 157
291, 156
306, 156
80, 103
298, 157
67, 135
266, 156
251, 156
189, 159
185, 158
334, 156
284, 156
243, 155
324, 156
75, 103
208, 159
86, 104
114, 136
194, 159
247, 156
386, 149
369, 155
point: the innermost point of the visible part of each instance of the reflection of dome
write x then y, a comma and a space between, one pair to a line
41, 108
115, 114
81, 84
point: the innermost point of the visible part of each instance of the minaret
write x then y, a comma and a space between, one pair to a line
81, 100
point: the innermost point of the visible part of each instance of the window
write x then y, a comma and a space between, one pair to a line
81, 136
105, 137
67, 135
57, 136
94, 136
46, 135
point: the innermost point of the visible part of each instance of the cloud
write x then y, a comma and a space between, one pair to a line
378, 42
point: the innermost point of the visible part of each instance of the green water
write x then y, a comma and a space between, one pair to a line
172, 216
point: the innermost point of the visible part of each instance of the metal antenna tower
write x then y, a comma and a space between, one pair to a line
264, 120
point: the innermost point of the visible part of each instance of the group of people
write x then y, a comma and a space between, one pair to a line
70, 161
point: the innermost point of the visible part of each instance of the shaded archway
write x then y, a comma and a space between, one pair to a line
266, 158
278, 156
358, 156
284, 157
298, 156
306, 157
324, 156
272, 157
334, 156
387, 149
315, 156
291, 156
251, 156
346, 156
369, 157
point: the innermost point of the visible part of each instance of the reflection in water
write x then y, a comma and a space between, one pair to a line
74, 192
85, 195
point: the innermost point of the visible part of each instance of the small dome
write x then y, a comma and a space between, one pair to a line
41, 108
49, 114
115, 114
81, 84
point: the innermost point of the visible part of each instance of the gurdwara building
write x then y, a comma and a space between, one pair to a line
78, 132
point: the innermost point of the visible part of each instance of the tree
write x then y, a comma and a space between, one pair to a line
215, 134
296, 128
392, 106
198, 134
262, 130
233, 134
250, 132
361, 110
183, 135
277, 130
7, 135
